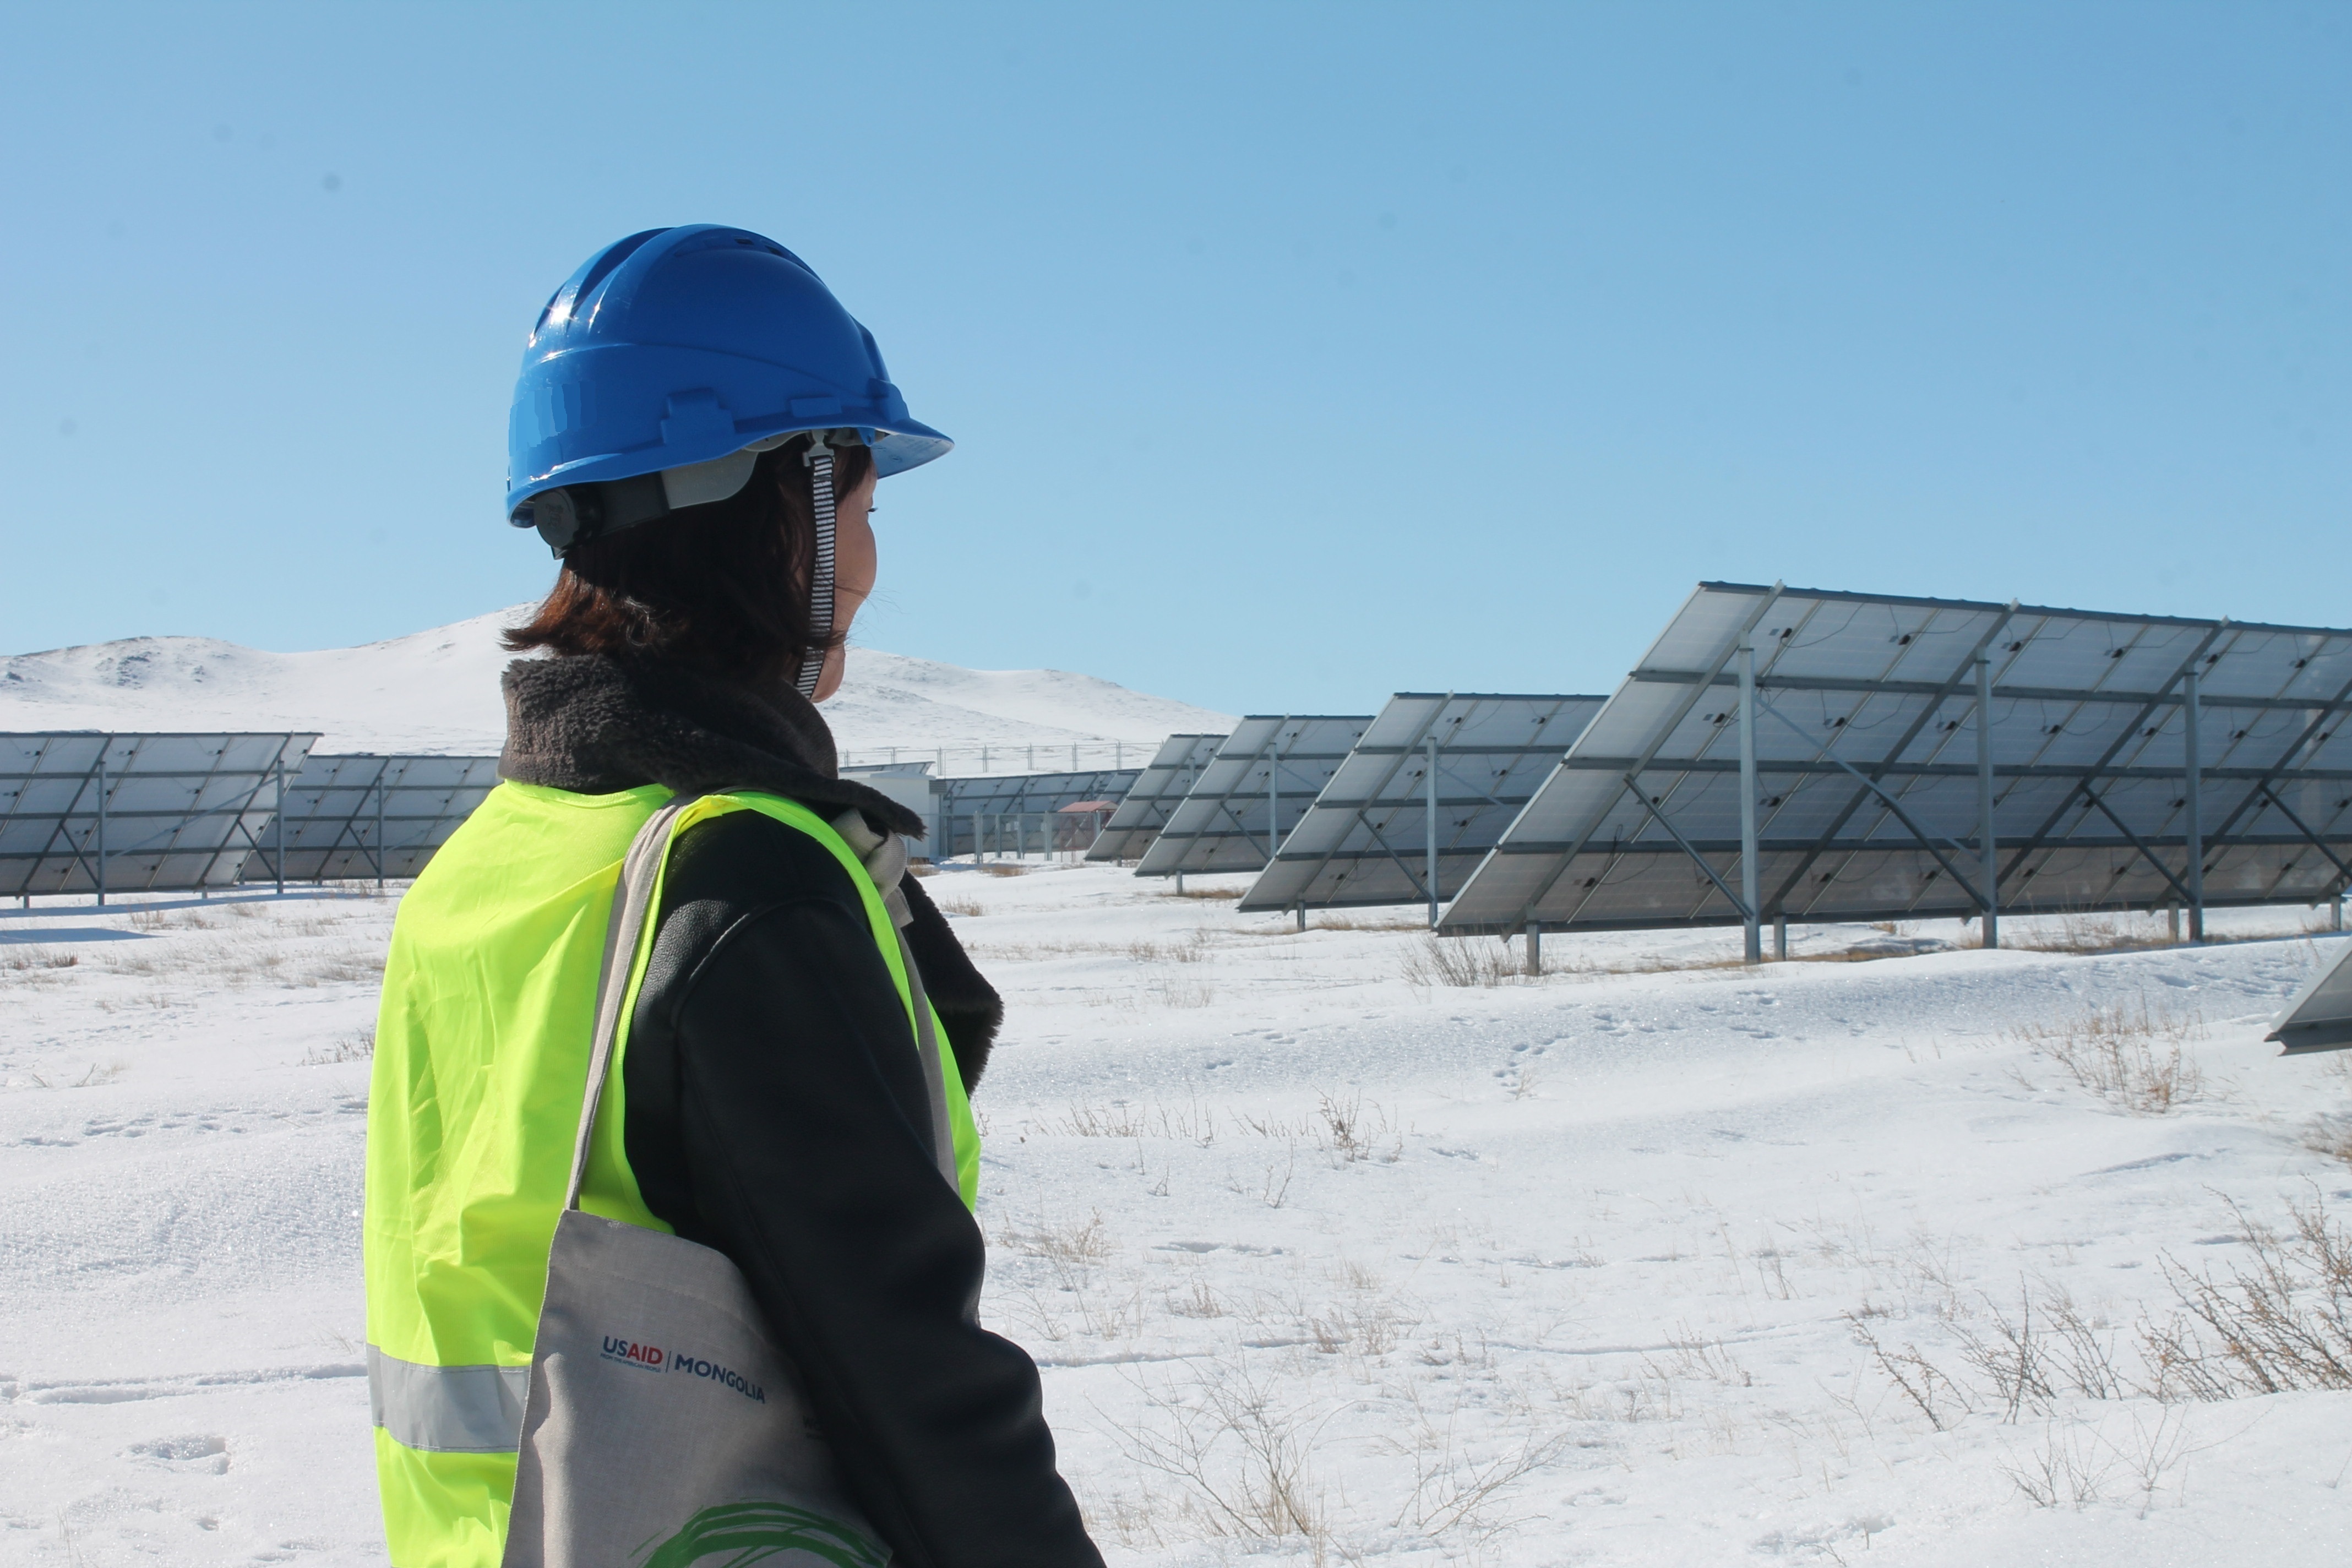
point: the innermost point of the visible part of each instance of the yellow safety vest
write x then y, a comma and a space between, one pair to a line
481, 1063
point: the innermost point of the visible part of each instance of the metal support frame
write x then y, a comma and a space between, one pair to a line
1938, 695
1273, 803
1657, 742
379, 823
1676, 834
1750, 872
1988, 841
2191, 760
2313, 729
2270, 794
101, 828
2149, 703
1535, 947
1894, 807
1431, 809
2145, 853
278, 816
1780, 935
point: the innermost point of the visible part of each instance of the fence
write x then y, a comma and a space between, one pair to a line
1075, 756
1013, 836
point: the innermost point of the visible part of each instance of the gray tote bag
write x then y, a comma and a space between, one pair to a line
663, 1427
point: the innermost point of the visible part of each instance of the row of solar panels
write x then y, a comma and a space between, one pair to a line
86, 813
1904, 757
183, 812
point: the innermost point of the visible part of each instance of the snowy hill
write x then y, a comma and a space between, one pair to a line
437, 690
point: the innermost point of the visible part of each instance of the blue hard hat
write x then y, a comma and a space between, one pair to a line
679, 347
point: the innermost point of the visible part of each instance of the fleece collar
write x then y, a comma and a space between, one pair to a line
596, 725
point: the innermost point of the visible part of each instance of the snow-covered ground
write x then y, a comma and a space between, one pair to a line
1325, 1258
437, 692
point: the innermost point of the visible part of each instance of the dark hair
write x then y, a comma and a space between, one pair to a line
722, 587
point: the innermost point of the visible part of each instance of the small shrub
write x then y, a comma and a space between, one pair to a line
2125, 1053
2331, 1136
2285, 1323
359, 1048
1460, 961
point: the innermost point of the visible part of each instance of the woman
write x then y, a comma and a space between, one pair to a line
697, 433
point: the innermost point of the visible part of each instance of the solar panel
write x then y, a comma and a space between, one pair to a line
1255, 790
2319, 1016
350, 817
1368, 839
1144, 810
972, 812
1887, 731
82, 812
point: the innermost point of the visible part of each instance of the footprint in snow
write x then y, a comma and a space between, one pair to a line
206, 1455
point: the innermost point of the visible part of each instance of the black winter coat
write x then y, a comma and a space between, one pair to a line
776, 1108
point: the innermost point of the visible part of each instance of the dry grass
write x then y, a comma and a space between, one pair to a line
2129, 1053
1435, 960
359, 1048
1342, 922
1242, 1455
2085, 933
2283, 1320
1187, 950
963, 904
1214, 895
1002, 869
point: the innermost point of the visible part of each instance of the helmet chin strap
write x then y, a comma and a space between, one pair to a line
819, 458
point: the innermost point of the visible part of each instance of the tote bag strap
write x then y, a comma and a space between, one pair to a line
632, 898
632, 901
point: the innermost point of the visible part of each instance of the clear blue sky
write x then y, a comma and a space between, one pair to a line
1297, 354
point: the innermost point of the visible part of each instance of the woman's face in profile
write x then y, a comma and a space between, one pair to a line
855, 562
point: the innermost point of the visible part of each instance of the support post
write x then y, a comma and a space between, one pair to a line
2336, 912
1180, 884
1273, 808
101, 829
379, 829
1302, 914
1987, 847
2193, 770
1431, 815
1750, 873
281, 825
1780, 938
2172, 923
1535, 948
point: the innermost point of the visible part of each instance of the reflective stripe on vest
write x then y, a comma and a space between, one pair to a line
447, 1409
482, 1048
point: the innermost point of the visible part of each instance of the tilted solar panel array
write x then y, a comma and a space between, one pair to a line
2319, 1017
1367, 840
1866, 725
355, 817
964, 804
1144, 809
145, 813
1254, 790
